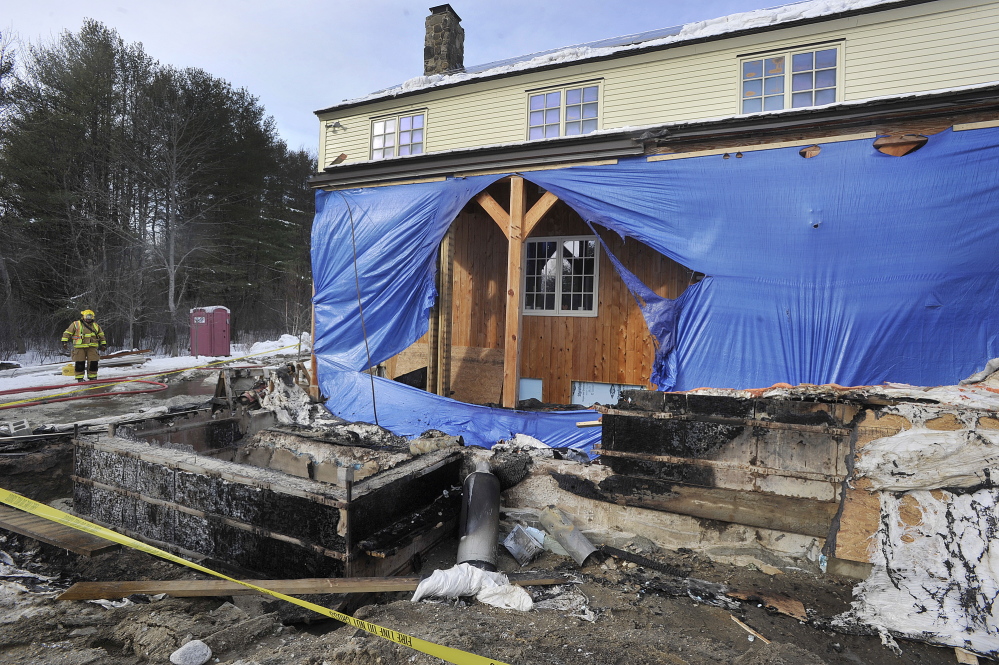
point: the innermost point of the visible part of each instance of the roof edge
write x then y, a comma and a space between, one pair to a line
631, 141
630, 52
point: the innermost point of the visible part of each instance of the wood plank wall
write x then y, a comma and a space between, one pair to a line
612, 347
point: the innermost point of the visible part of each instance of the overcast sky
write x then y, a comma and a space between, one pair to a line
300, 56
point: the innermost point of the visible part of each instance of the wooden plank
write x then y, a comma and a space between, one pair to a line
495, 211
53, 533
723, 420
513, 328
302, 587
723, 464
807, 517
859, 521
764, 146
965, 657
985, 124
537, 211
445, 325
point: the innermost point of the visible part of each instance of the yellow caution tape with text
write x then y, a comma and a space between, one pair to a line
448, 654
82, 389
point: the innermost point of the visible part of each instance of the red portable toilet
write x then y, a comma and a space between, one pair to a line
210, 331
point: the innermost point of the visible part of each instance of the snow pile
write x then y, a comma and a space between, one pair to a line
287, 345
935, 580
756, 19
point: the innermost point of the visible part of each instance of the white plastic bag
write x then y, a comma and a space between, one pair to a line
467, 580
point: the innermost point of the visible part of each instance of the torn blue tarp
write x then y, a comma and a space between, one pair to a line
409, 412
852, 267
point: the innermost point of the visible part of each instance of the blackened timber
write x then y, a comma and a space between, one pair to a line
770, 511
722, 464
236, 524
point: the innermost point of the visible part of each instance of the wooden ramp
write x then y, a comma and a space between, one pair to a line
53, 533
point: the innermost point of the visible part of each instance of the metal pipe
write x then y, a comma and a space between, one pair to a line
560, 526
478, 525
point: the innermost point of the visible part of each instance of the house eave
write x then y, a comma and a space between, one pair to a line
632, 142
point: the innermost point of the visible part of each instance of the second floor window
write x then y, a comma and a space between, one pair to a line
795, 79
563, 112
397, 136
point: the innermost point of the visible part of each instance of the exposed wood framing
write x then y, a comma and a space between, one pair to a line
722, 464
495, 210
314, 393
439, 337
538, 211
763, 146
514, 323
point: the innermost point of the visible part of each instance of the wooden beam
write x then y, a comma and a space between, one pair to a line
314, 394
304, 587
53, 533
537, 212
445, 291
807, 517
495, 210
514, 324
763, 146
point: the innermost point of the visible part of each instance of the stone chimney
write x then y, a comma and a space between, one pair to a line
444, 46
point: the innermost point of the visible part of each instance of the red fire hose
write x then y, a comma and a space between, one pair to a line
158, 387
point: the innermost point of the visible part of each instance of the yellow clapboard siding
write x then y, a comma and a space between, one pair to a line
948, 43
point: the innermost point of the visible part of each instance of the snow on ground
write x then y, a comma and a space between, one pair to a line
31, 376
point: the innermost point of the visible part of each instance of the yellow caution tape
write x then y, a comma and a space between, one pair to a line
144, 377
448, 654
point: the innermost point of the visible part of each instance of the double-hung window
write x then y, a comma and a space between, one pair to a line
792, 79
564, 111
397, 136
560, 276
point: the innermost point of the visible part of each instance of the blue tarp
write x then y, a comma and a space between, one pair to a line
852, 267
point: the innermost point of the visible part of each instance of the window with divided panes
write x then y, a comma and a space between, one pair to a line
560, 276
397, 136
563, 112
769, 84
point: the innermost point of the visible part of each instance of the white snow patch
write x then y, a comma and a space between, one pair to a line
287, 345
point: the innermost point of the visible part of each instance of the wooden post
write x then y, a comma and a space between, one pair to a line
512, 331
314, 393
445, 292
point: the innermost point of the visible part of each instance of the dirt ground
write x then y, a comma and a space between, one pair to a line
611, 612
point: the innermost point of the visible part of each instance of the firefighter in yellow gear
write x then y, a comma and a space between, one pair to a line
86, 336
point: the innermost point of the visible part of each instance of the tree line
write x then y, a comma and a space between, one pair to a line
140, 190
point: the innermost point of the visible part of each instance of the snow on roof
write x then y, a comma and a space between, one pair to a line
756, 19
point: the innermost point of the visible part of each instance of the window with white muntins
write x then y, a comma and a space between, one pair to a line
567, 111
792, 79
561, 276
397, 136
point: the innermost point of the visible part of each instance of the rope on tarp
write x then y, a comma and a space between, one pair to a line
360, 307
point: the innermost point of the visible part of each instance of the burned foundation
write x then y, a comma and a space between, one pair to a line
260, 506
